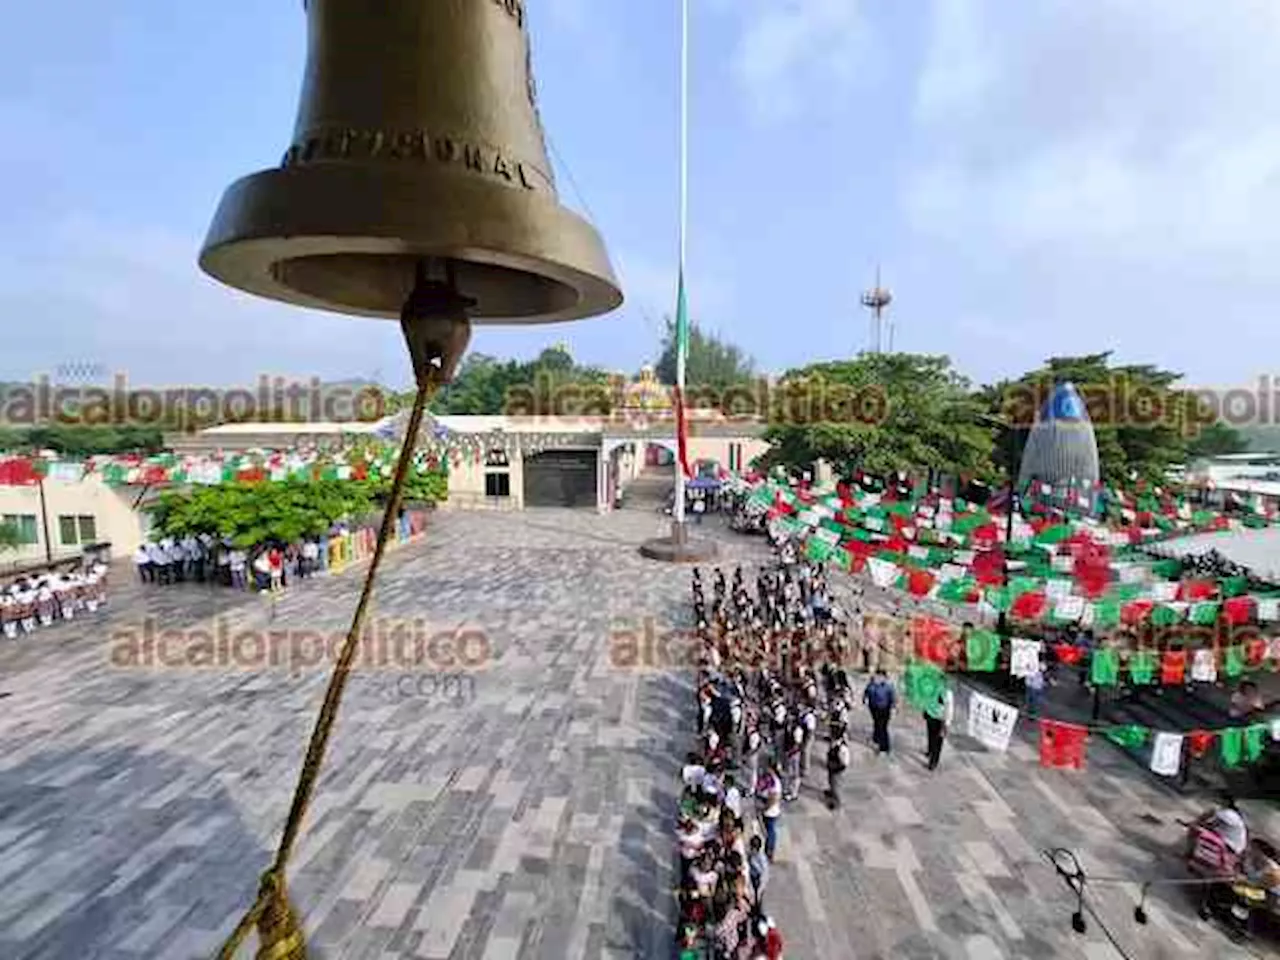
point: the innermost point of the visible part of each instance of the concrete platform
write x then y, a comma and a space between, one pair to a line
679, 547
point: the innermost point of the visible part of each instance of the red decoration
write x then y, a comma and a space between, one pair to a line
1062, 745
1238, 610
1091, 565
987, 535
1255, 651
934, 639
1029, 606
19, 472
988, 567
1200, 741
1137, 611
1068, 654
1173, 667
1193, 590
919, 582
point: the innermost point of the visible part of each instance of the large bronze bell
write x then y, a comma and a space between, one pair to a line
418, 139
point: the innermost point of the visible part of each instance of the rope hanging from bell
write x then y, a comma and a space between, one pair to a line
437, 330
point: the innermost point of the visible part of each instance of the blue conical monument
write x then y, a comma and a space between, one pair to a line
1061, 449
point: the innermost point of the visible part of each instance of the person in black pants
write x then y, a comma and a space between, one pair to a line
937, 723
879, 698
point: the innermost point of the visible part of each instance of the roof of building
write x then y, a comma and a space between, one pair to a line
278, 427
1061, 447
1065, 404
625, 424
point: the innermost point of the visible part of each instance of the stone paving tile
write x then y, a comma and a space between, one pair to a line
524, 813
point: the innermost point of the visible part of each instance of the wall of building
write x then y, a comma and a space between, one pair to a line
467, 485
113, 518
718, 449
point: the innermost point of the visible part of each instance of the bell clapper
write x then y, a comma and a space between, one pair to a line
436, 325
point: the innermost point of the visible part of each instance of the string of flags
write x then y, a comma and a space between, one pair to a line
1056, 569
1063, 745
438, 448
982, 651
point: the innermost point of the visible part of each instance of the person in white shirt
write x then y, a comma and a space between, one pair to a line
159, 563
224, 563
26, 601
938, 723
142, 560
310, 554
262, 570
45, 604
733, 799
9, 614
236, 561
769, 792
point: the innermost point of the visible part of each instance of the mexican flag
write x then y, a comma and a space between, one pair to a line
682, 351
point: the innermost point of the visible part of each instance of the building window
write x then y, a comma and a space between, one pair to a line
496, 458
25, 524
735, 457
497, 483
74, 530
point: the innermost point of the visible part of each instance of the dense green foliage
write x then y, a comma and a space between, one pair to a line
254, 513
552, 384
1218, 439
880, 413
710, 365
79, 441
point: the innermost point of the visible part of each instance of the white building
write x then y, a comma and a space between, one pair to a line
57, 519
514, 462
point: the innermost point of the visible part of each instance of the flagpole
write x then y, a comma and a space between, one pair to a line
677, 513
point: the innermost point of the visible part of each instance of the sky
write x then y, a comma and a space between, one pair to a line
1037, 178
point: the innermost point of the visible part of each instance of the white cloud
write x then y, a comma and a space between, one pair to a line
132, 299
788, 49
1141, 130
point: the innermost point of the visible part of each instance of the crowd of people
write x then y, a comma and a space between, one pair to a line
774, 696
41, 600
759, 707
206, 559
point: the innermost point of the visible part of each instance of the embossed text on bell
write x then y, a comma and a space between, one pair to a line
417, 136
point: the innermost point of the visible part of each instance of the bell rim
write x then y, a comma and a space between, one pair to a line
242, 249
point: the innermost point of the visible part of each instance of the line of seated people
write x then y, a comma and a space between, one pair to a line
41, 600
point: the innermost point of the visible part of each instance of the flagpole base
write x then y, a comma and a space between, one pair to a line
679, 547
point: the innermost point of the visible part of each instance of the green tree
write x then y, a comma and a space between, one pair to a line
553, 383
254, 513
880, 413
80, 440
1216, 440
711, 364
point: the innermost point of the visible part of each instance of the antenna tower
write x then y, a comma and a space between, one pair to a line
877, 300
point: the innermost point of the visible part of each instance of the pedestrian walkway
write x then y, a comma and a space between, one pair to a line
530, 818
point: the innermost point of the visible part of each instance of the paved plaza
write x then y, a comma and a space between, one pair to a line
513, 797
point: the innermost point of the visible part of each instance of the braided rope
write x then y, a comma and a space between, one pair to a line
280, 934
